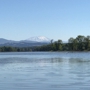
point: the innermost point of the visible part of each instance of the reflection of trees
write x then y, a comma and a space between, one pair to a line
56, 60
78, 60
79, 67
50, 60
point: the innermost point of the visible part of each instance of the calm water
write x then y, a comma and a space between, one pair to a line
45, 71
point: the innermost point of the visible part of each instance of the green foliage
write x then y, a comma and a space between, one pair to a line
15, 49
80, 43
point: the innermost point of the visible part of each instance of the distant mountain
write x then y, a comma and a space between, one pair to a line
3, 41
33, 41
24, 44
38, 39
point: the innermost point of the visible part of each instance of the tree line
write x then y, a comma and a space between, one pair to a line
15, 49
80, 43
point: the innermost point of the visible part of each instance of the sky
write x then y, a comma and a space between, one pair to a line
55, 19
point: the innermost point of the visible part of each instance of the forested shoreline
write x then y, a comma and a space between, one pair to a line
80, 43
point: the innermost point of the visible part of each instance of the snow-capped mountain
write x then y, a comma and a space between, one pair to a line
33, 41
38, 39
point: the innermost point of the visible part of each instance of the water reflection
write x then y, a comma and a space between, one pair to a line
29, 60
56, 71
79, 60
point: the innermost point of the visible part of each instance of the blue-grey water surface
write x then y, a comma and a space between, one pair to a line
45, 71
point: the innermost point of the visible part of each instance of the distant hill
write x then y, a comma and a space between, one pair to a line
33, 41
24, 44
3, 41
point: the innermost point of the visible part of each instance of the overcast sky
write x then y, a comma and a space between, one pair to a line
55, 19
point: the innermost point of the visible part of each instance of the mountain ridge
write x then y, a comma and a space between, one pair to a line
37, 41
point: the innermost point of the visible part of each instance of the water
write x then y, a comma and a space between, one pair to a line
45, 71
